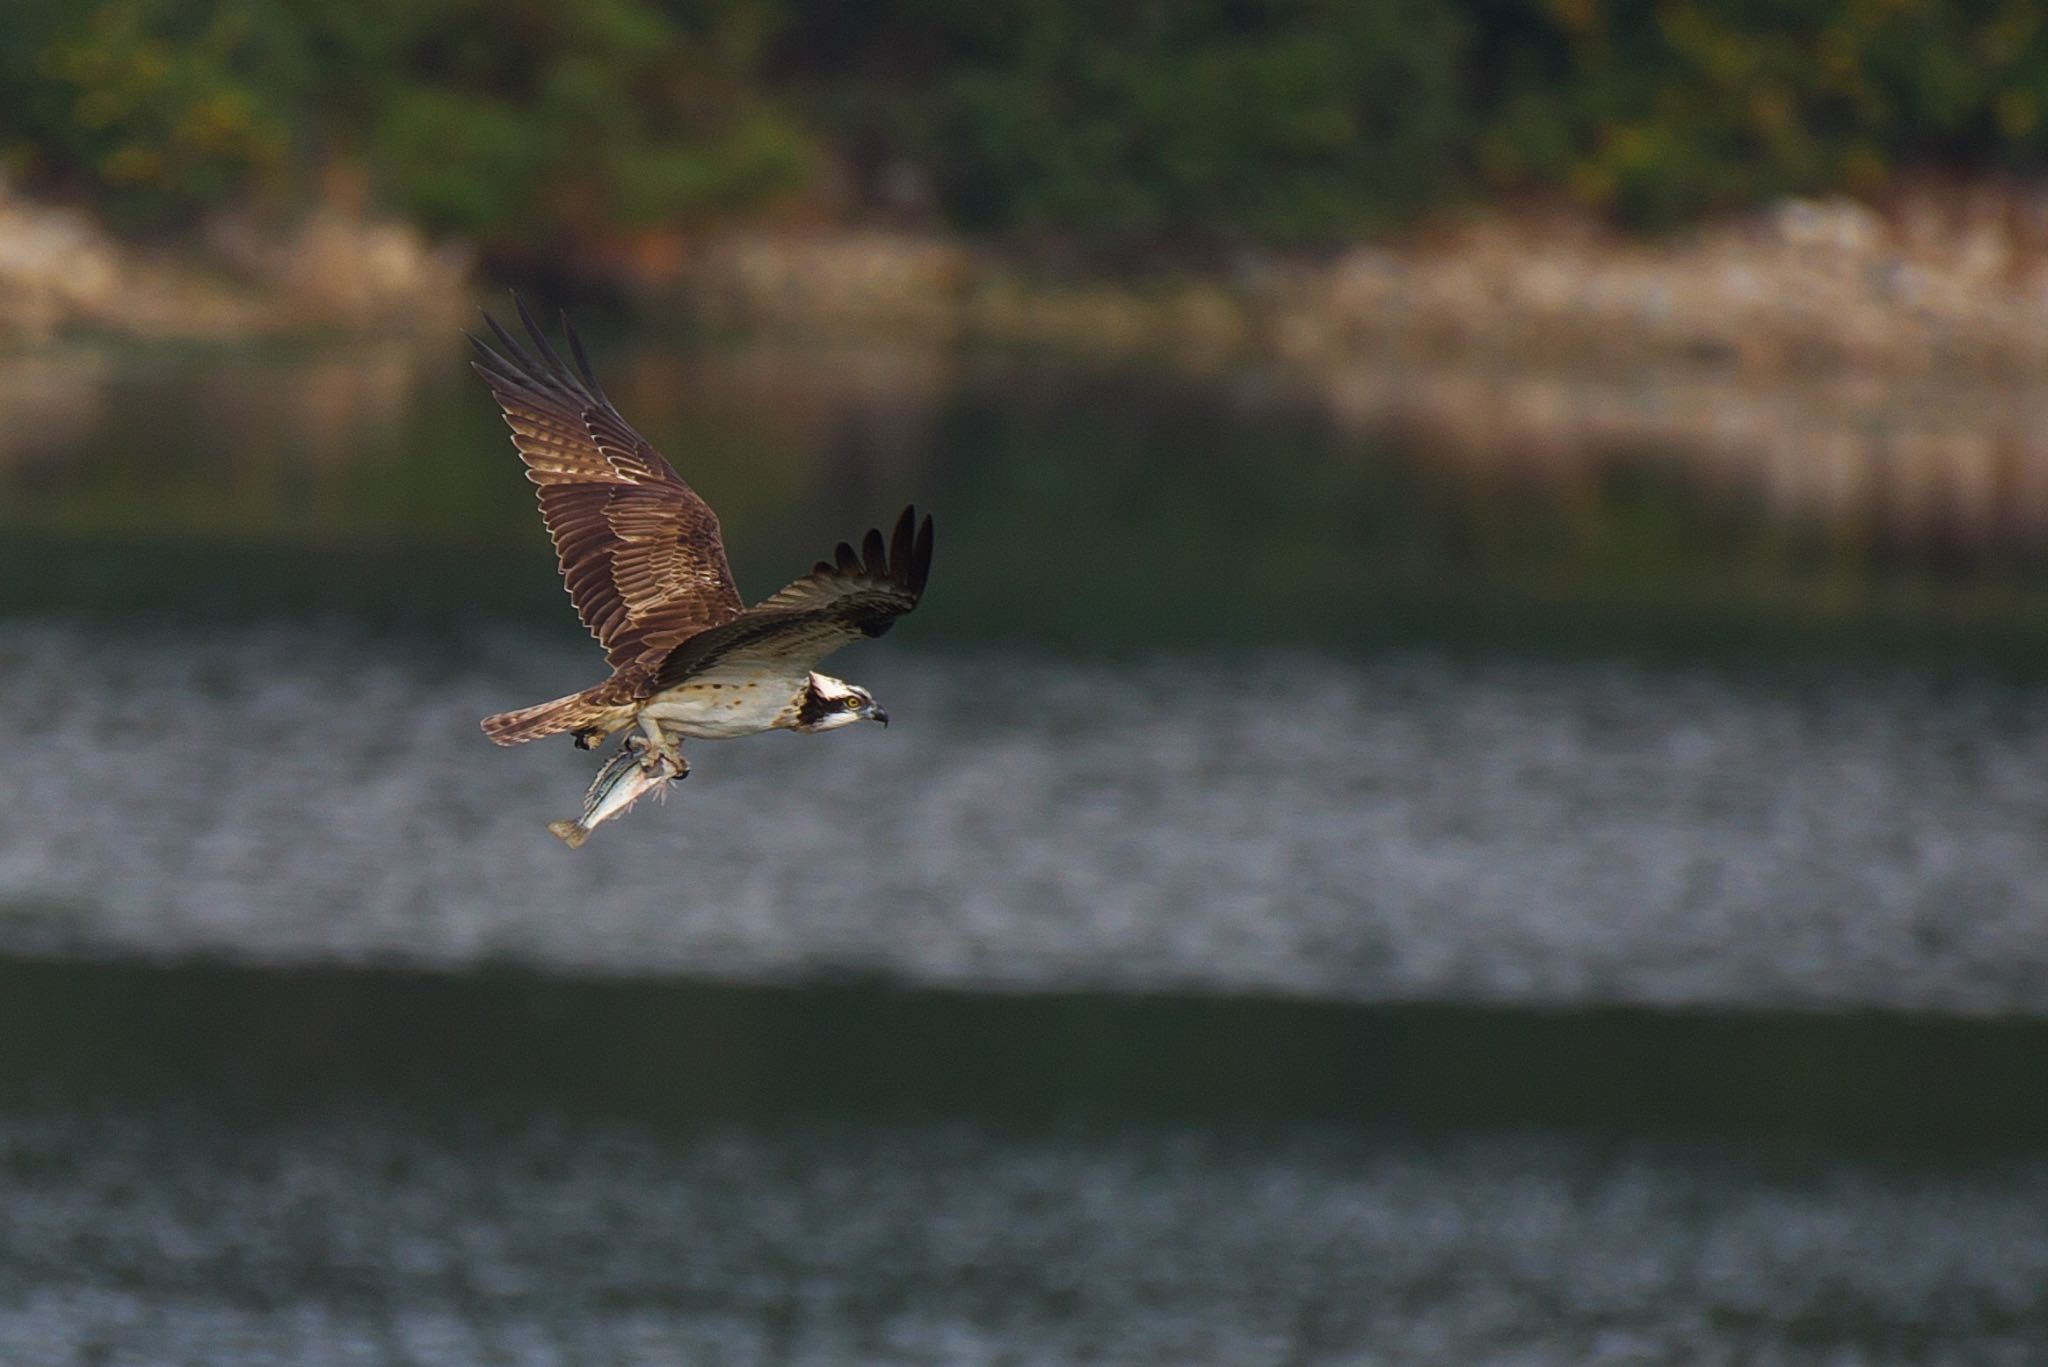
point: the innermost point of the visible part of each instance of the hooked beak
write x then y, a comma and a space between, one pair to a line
877, 714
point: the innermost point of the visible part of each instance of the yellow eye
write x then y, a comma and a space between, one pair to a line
850, 701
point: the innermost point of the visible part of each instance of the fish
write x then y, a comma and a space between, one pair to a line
625, 779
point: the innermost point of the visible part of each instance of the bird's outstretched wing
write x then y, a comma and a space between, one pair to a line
855, 595
640, 552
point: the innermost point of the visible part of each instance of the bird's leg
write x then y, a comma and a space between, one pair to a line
661, 744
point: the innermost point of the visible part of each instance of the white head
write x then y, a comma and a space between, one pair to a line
828, 703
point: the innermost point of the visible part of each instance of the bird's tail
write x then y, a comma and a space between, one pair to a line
577, 712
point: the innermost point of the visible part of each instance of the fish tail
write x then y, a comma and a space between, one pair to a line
572, 833
576, 712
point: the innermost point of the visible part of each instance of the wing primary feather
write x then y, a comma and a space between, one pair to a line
849, 563
921, 557
822, 567
498, 371
487, 364
520, 360
899, 545
583, 361
549, 356
872, 556
524, 375
506, 384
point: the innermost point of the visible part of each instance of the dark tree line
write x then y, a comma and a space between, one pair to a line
533, 123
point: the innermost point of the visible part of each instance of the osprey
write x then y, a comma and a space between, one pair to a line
646, 569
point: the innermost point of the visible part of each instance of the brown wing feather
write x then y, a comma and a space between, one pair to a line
832, 606
642, 555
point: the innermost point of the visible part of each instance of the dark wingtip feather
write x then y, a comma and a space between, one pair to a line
582, 359
873, 558
490, 355
520, 364
848, 561
526, 316
900, 543
549, 356
508, 381
921, 556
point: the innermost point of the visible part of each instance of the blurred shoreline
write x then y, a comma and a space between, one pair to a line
1946, 281
1874, 378
1941, 466
336, 269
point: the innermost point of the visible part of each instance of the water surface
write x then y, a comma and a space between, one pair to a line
1355, 876
1403, 827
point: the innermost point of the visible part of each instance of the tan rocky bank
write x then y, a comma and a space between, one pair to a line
62, 273
1937, 281
1942, 280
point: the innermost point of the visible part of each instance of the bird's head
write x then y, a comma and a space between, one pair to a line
828, 703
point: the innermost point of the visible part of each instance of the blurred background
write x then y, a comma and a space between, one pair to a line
1470, 787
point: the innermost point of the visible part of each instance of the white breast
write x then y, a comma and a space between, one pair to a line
723, 703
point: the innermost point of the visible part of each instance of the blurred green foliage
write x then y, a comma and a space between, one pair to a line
151, 104
1657, 111
1278, 120
522, 122
528, 123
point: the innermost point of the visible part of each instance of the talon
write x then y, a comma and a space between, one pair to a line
655, 761
657, 742
589, 740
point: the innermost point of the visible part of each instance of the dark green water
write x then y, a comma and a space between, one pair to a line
1327, 897
1126, 510
681, 1055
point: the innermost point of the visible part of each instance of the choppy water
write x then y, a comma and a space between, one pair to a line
1408, 827
163, 1235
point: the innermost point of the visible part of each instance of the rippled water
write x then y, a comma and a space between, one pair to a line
1323, 898
355, 1236
1408, 827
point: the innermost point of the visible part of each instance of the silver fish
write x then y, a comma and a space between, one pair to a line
624, 780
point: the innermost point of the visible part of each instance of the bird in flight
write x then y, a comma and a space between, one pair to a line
645, 566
